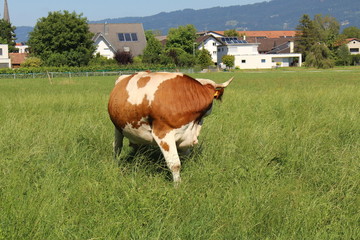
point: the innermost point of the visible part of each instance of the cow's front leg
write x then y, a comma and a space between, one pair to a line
118, 143
168, 148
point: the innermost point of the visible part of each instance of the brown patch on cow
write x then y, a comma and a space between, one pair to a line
165, 146
175, 168
121, 111
179, 101
143, 81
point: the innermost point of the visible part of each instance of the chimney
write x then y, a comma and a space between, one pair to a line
291, 43
106, 28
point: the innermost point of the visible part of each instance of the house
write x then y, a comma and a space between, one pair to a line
210, 43
5, 61
247, 55
353, 45
104, 47
112, 37
22, 48
251, 55
274, 45
17, 59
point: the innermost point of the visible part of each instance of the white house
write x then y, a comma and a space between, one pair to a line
22, 48
112, 37
246, 54
210, 43
5, 61
103, 46
353, 45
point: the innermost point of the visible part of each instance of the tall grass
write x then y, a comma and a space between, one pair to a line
277, 159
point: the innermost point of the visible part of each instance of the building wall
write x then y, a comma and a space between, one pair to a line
103, 49
22, 48
237, 50
354, 46
262, 61
5, 61
211, 45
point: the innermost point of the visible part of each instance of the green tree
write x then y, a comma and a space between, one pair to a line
7, 34
231, 33
319, 57
62, 38
343, 55
327, 29
305, 36
228, 60
182, 37
153, 50
351, 32
178, 57
204, 58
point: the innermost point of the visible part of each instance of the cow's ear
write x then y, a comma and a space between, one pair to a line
218, 93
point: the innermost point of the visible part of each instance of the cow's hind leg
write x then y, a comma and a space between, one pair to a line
118, 143
169, 150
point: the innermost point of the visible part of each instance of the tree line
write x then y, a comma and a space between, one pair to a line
322, 45
63, 39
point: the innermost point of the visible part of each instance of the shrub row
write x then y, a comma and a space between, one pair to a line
100, 68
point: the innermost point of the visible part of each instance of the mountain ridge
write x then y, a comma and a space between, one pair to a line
271, 16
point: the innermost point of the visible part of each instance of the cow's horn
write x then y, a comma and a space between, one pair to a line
225, 84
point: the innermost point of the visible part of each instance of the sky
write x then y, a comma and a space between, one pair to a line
27, 12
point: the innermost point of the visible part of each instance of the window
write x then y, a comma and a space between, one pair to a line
134, 37
263, 60
214, 52
121, 37
1, 52
127, 37
243, 61
214, 43
354, 50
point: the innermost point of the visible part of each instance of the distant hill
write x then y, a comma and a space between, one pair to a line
273, 15
22, 33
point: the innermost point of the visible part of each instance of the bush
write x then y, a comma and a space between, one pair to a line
228, 60
123, 58
32, 62
204, 58
355, 59
319, 57
99, 60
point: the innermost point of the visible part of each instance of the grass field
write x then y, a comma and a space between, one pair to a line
279, 158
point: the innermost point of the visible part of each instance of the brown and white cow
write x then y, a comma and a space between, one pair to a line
161, 108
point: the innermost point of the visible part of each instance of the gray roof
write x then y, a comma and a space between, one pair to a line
110, 31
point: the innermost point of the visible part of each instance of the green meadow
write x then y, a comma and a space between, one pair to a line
278, 158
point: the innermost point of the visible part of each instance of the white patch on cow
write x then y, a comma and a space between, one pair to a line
140, 135
186, 136
121, 78
137, 95
170, 153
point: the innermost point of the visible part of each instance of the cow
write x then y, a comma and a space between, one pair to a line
162, 108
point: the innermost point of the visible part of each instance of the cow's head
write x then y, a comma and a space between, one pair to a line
219, 87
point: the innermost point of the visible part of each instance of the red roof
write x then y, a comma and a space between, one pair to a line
264, 34
17, 58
